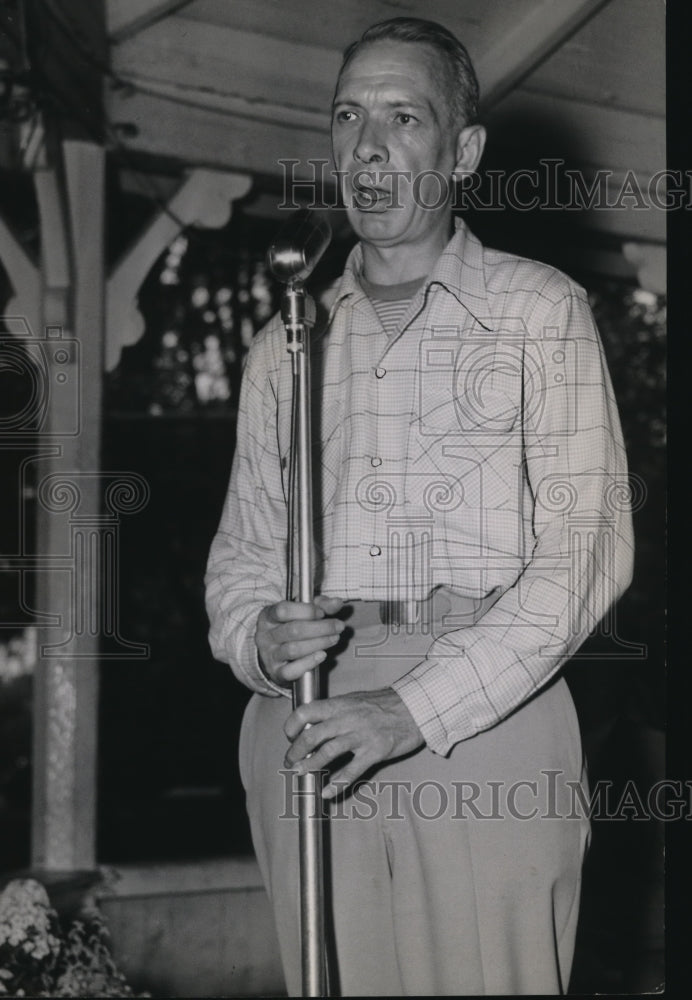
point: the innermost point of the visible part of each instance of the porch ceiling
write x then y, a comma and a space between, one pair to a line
243, 84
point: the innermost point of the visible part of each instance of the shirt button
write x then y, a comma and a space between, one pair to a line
375, 462
380, 372
375, 550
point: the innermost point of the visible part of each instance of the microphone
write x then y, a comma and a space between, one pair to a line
298, 246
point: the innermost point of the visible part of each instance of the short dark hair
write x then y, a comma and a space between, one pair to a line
462, 83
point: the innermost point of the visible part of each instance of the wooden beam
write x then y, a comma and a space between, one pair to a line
240, 64
56, 252
210, 134
648, 226
127, 17
522, 46
617, 58
205, 99
326, 24
24, 277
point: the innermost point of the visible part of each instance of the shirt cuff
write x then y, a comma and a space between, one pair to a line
248, 668
441, 729
270, 686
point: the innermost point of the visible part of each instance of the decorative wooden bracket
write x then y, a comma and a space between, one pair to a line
42, 292
25, 279
57, 264
204, 199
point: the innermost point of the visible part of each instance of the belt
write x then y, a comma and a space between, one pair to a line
408, 612
441, 603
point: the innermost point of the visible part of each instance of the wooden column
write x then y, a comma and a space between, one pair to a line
68, 51
66, 681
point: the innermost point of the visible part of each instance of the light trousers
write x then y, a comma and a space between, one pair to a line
445, 876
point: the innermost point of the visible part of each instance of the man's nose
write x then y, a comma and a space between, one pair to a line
370, 146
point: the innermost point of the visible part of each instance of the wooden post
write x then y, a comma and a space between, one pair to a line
66, 684
68, 47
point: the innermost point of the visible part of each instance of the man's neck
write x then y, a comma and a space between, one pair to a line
404, 262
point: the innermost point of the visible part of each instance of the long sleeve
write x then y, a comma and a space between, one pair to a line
580, 546
244, 570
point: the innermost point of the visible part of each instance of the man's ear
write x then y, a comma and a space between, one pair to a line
470, 146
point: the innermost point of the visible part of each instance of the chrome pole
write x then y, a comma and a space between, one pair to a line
292, 258
298, 311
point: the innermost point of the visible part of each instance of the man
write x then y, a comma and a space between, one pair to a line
466, 539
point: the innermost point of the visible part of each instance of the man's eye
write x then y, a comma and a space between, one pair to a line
345, 116
404, 118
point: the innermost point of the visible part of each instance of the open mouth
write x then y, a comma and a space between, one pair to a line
368, 198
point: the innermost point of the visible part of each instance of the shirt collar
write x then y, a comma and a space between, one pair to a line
459, 269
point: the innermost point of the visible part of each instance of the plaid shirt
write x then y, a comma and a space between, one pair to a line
480, 449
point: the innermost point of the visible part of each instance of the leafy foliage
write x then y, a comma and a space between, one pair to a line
39, 959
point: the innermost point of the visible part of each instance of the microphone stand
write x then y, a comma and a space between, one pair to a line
298, 315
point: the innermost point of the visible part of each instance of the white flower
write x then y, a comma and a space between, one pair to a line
200, 296
26, 919
644, 298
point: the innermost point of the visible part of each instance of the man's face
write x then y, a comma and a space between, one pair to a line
391, 117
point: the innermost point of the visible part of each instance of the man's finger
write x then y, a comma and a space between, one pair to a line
293, 669
294, 649
320, 759
313, 737
330, 605
301, 631
346, 775
314, 712
286, 611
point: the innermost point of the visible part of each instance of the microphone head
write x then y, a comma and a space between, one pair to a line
298, 246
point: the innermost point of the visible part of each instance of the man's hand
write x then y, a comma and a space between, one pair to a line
372, 725
292, 637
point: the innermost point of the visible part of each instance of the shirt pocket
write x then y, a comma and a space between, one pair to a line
475, 399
